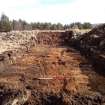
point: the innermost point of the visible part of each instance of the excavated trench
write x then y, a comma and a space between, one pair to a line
49, 72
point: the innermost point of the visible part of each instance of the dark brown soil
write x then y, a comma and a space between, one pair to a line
50, 74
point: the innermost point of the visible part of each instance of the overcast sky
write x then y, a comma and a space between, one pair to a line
64, 11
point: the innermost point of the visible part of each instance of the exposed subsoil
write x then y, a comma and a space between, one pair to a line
50, 75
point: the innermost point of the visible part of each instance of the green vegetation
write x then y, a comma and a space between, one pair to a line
79, 25
6, 25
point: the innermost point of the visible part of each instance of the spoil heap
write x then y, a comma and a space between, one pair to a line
92, 45
94, 40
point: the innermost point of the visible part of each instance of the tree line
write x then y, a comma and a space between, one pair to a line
7, 25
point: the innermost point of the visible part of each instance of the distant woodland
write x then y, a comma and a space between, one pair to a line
6, 25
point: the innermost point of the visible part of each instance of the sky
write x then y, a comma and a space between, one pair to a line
63, 11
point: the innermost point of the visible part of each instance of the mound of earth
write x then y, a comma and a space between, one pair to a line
92, 45
95, 39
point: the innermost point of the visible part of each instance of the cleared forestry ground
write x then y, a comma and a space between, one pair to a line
46, 75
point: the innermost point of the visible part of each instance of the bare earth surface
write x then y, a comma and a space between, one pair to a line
50, 75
